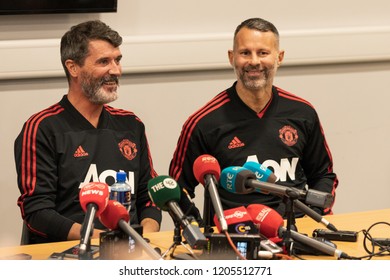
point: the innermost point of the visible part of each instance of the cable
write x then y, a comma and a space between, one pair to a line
234, 246
371, 245
383, 249
283, 256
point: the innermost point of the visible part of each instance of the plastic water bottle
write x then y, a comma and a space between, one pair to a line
121, 190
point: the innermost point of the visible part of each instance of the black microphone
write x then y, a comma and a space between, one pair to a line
239, 180
207, 171
116, 216
313, 214
165, 192
318, 245
93, 200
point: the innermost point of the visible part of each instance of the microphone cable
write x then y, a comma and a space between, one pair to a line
283, 256
242, 257
381, 244
238, 253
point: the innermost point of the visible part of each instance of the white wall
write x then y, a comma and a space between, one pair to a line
337, 57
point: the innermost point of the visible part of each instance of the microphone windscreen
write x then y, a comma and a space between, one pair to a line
163, 189
268, 220
262, 173
238, 221
233, 179
113, 213
96, 193
206, 164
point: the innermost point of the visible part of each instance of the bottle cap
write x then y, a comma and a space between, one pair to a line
121, 176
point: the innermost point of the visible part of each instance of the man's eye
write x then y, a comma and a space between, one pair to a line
103, 61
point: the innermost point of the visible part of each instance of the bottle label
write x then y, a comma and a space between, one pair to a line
123, 197
131, 245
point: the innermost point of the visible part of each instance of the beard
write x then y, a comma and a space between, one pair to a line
94, 90
258, 82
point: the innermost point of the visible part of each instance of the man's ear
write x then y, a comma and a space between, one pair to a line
72, 67
280, 57
230, 55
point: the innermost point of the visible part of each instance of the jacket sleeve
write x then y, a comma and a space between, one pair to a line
189, 147
318, 164
145, 207
37, 175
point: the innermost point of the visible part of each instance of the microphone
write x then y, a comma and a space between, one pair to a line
207, 171
259, 213
264, 174
116, 216
237, 181
238, 221
314, 215
269, 222
234, 178
93, 200
164, 191
242, 227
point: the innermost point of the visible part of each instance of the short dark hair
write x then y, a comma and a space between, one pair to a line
75, 42
258, 24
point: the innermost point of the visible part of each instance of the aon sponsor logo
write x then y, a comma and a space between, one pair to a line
93, 176
281, 170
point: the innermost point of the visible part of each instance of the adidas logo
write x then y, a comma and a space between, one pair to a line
235, 143
80, 152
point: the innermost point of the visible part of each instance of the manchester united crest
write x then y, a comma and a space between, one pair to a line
128, 149
288, 135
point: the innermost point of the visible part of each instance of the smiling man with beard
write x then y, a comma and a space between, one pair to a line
254, 120
80, 140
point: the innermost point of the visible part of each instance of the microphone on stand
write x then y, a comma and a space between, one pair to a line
116, 216
237, 180
314, 215
245, 236
165, 192
93, 200
260, 213
238, 221
207, 171
265, 175
269, 222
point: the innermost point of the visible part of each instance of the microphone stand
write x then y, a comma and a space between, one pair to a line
177, 240
87, 254
289, 199
207, 213
84, 251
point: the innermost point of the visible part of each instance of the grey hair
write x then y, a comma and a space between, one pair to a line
75, 42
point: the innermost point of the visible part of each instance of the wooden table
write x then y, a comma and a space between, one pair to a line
163, 240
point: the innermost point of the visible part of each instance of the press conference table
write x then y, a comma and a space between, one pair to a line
349, 221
